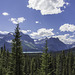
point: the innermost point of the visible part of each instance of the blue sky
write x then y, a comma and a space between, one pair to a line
39, 18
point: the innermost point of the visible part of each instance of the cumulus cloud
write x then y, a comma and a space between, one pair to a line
41, 33
66, 38
9, 41
47, 6
25, 31
4, 32
18, 20
5, 13
67, 27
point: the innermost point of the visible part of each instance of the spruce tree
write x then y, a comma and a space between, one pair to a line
58, 64
45, 62
33, 67
27, 65
71, 62
63, 61
53, 64
67, 61
17, 59
73, 70
7, 61
3, 61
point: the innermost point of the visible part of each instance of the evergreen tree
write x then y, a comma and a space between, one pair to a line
67, 61
63, 61
7, 61
33, 67
46, 62
1, 60
3, 67
71, 62
53, 63
17, 59
38, 63
27, 65
58, 65
73, 70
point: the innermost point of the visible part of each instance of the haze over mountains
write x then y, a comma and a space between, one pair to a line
29, 44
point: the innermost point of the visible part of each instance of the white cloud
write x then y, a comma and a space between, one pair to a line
72, 36
64, 6
67, 3
25, 31
21, 19
4, 32
5, 13
18, 20
36, 21
66, 38
57, 32
47, 6
43, 32
9, 41
67, 27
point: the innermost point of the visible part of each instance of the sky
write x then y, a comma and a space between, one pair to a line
39, 18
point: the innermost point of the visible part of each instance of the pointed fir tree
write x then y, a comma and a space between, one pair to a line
73, 68
3, 61
71, 63
17, 59
67, 61
33, 67
46, 67
63, 61
27, 65
58, 64
7, 61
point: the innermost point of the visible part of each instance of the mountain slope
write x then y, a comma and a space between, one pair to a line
28, 44
27, 41
54, 44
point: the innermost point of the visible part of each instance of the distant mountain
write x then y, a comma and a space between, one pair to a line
71, 45
28, 44
54, 44
2, 35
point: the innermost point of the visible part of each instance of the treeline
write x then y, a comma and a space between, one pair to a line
17, 63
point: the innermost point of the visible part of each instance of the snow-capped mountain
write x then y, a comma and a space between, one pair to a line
54, 44
29, 44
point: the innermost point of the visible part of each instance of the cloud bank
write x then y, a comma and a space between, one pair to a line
25, 31
67, 27
66, 38
47, 6
4, 32
18, 20
43, 32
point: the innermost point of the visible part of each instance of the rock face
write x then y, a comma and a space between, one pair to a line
54, 44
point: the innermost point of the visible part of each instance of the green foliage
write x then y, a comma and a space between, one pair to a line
27, 65
46, 64
17, 59
16, 63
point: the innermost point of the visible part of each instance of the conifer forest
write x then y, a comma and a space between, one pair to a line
18, 63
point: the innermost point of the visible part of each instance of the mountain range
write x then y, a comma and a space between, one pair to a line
31, 45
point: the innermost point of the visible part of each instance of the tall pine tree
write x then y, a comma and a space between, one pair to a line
46, 66
17, 59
